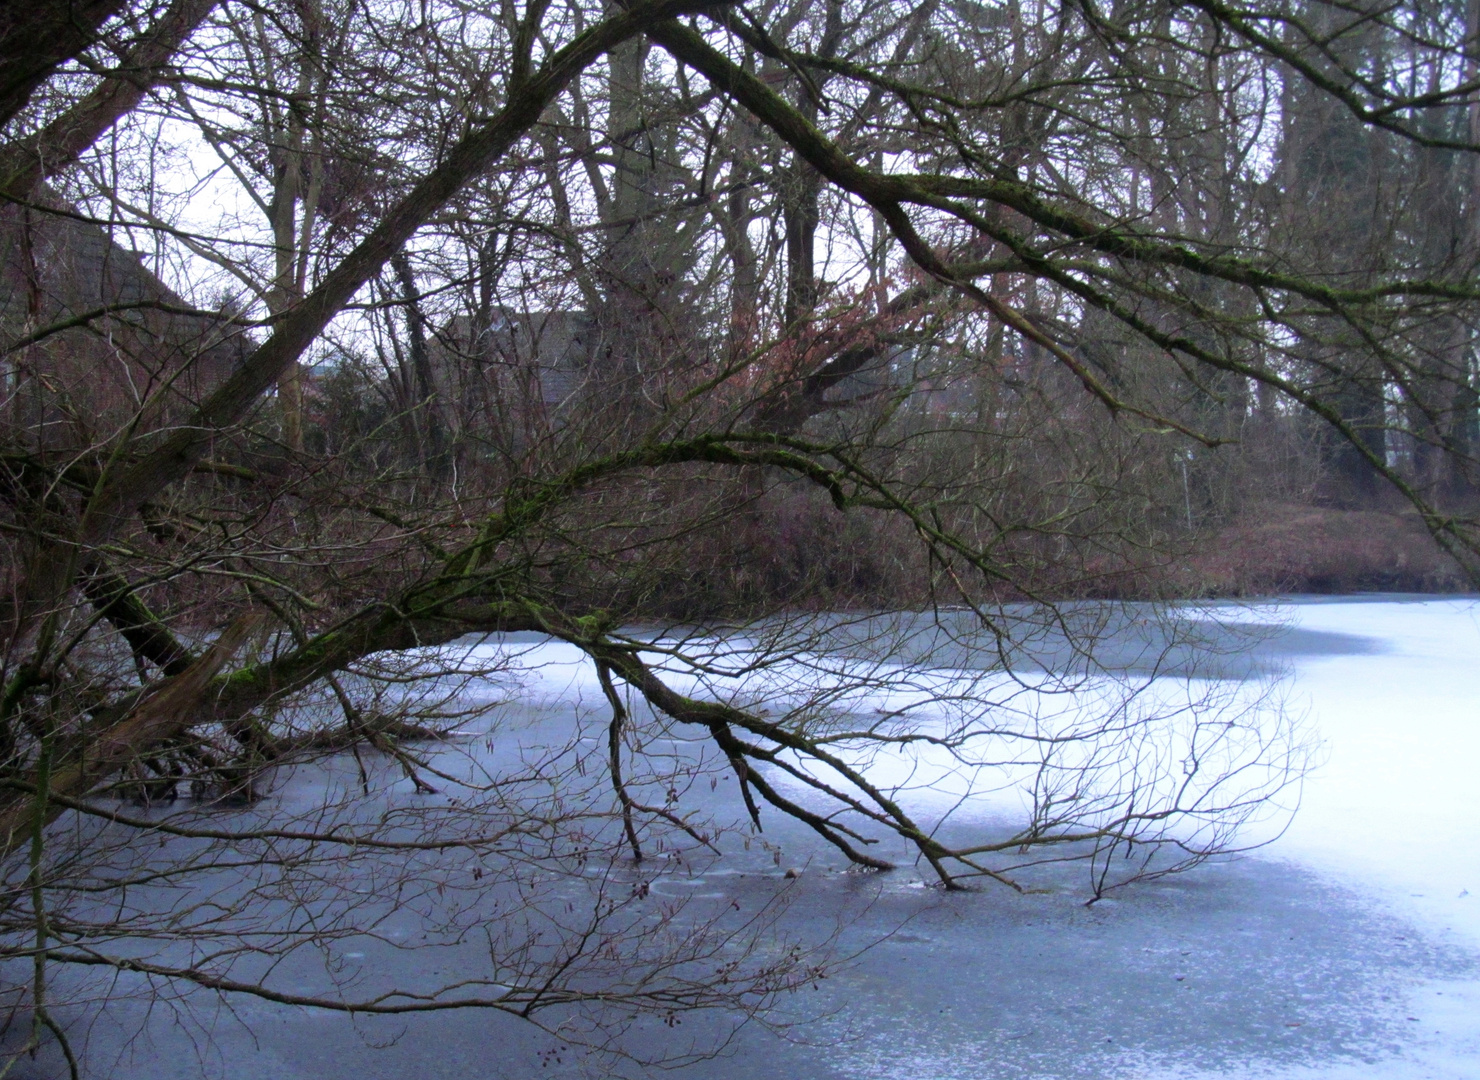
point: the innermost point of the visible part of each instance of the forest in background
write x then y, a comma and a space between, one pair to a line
650, 232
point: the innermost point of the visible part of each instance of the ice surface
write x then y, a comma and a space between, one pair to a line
1389, 829
1350, 948
1394, 814
1396, 810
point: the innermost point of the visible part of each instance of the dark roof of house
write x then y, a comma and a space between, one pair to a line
56, 267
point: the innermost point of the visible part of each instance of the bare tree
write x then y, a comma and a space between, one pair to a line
655, 333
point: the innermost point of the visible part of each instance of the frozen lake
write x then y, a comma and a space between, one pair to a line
1348, 948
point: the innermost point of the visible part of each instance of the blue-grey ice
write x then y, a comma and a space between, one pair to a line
1348, 948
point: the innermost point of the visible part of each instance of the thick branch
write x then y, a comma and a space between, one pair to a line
61, 142
158, 717
37, 37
